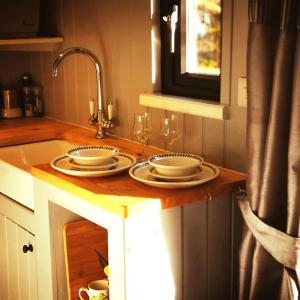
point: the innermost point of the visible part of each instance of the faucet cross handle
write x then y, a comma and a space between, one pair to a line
92, 107
110, 111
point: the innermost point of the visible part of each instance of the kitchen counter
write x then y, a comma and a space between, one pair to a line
120, 194
146, 226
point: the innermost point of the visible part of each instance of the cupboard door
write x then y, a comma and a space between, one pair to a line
3, 260
18, 277
27, 264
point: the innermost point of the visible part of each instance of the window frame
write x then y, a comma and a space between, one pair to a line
199, 86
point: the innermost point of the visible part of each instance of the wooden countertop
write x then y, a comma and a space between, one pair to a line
119, 193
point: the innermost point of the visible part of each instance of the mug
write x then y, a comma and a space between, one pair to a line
97, 290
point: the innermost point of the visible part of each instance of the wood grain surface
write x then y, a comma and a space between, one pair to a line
119, 193
82, 265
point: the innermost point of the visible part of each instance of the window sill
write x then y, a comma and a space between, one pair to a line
205, 109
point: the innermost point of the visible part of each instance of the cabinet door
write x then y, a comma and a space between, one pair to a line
17, 268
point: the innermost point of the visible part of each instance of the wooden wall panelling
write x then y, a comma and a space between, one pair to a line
219, 248
4, 73
71, 87
4, 283
27, 266
213, 141
67, 71
140, 50
107, 31
24, 264
13, 260
48, 16
207, 249
35, 67
121, 58
235, 140
156, 139
124, 33
139, 56
178, 144
18, 269
56, 105
195, 253
47, 82
59, 216
236, 231
171, 223
81, 238
193, 135
235, 134
19, 64
81, 87
12, 66
85, 69
113, 44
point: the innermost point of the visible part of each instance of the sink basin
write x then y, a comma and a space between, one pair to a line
16, 181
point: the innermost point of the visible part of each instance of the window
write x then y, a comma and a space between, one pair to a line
191, 49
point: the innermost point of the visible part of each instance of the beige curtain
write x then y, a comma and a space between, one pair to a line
269, 254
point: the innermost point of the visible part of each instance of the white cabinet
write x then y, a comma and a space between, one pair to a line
18, 278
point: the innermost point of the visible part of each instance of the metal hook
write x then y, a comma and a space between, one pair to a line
172, 20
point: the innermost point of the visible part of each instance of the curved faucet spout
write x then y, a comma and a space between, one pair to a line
79, 50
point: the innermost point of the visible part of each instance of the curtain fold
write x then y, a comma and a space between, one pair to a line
273, 144
283, 247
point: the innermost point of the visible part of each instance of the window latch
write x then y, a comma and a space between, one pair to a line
171, 21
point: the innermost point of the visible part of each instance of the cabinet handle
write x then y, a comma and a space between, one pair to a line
27, 248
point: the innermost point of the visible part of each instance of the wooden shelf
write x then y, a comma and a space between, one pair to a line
45, 44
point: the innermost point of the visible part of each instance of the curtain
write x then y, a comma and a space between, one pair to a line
269, 253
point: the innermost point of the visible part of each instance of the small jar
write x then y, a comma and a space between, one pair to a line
27, 101
38, 103
10, 106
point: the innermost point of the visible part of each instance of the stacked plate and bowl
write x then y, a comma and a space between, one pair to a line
174, 170
93, 157
175, 167
93, 161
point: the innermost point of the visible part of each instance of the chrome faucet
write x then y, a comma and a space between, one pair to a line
98, 119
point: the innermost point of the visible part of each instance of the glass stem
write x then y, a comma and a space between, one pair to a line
143, 151
170, 146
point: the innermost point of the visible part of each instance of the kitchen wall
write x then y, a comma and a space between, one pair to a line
119, 33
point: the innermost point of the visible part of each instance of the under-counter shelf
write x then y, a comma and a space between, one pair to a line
31, 44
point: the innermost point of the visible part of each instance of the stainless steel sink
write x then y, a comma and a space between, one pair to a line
16, 181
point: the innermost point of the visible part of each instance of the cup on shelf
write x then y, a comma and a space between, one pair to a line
97, 290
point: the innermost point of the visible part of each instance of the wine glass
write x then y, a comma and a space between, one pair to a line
169, 129
142, 129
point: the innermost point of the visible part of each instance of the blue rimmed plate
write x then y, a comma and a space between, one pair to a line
125, 161
140, 172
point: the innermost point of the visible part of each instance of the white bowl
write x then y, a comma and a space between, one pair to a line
111, 163
153, 172
92, 155
176, 164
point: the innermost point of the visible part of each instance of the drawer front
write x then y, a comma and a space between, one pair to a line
16, 184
